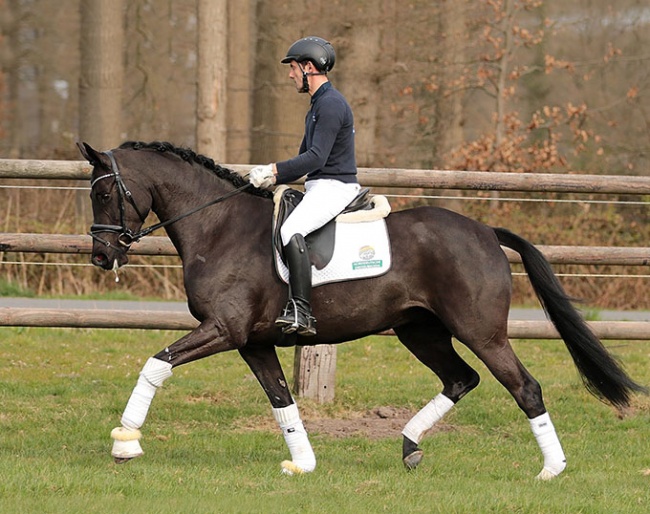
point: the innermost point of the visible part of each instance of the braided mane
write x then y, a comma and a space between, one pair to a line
189, 155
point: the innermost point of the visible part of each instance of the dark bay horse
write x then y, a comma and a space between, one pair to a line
449, 278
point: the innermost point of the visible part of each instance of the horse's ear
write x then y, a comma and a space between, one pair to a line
90, 154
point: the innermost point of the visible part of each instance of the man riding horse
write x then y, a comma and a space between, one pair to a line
327, 157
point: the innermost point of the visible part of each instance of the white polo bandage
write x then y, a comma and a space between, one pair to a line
428, 416
295, 435
152, 376
544, 432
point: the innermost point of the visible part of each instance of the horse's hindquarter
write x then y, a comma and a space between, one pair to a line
443, 262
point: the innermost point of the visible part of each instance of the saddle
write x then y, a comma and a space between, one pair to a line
320, 243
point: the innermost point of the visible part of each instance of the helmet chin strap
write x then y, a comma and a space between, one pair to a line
305, 80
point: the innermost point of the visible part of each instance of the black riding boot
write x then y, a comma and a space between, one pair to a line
296, 316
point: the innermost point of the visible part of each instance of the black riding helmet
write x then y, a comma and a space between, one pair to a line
314, 49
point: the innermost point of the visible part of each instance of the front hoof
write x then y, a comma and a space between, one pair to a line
291, 468
126, 444
545, 474
412, 460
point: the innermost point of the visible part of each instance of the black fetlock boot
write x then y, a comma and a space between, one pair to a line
296, 316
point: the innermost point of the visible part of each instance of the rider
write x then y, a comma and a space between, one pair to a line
327, 158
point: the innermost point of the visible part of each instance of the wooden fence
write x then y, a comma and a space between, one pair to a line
391, 177
319, 385
162, 246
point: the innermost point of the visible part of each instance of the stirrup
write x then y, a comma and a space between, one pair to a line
293, 319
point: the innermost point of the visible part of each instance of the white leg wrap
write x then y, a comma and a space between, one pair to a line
126, 443
151, 377
303, 459
424, 420
554, 459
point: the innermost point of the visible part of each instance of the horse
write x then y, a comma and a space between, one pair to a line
450, 277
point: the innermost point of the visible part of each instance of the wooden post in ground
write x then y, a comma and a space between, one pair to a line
314, 372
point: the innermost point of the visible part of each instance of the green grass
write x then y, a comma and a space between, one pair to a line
211, 445
10, 289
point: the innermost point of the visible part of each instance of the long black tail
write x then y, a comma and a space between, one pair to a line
601, 373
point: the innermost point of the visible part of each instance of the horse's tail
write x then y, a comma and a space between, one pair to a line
601, 373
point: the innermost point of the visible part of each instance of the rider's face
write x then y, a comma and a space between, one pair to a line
295, 72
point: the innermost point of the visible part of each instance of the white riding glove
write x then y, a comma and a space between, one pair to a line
262, 176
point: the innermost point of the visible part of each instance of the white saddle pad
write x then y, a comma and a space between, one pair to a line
362, 250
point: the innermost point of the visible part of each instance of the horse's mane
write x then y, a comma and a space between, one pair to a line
189, 155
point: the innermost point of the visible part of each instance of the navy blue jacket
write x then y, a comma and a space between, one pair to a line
327, 148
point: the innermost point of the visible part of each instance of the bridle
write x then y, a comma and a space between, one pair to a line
126, 237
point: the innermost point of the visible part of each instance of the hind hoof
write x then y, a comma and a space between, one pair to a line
412, 460
121, 460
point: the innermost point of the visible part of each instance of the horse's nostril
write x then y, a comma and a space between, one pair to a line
99, 260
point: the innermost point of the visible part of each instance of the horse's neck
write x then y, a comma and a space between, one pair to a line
177, 191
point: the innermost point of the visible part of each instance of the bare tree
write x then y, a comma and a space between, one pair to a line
241, 59
102, 71
212, 72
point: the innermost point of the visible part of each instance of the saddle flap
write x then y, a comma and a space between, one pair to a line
364, 207
320, 242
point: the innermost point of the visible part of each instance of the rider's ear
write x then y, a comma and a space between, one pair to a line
93, 156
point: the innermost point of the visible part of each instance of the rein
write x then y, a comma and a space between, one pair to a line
126, 236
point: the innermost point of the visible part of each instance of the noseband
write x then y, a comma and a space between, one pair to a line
126, 237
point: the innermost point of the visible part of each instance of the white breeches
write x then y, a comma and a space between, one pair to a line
324, 200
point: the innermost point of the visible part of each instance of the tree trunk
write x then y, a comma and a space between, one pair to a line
450, 127
12, 50
241, 57
212, 75
102, 72
359, 56
100, 80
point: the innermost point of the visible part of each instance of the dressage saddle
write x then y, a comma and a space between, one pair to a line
320, 243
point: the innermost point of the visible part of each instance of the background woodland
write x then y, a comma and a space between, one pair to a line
497, 85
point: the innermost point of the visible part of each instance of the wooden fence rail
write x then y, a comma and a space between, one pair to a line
161, 245
392, 177
175, 320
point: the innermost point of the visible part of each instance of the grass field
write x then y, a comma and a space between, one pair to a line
211, 445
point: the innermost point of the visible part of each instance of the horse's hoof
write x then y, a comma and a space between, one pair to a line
545, 474
126, 444
412, 460
289, 468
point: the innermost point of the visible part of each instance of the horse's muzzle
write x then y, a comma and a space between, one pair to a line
105, 257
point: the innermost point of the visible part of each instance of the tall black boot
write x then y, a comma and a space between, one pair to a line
296, 316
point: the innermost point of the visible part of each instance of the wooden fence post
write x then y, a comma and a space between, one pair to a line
314, 372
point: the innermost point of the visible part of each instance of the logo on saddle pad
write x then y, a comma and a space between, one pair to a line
353, 246
367, 254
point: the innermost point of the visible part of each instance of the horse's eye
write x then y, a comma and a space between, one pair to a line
103, 197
